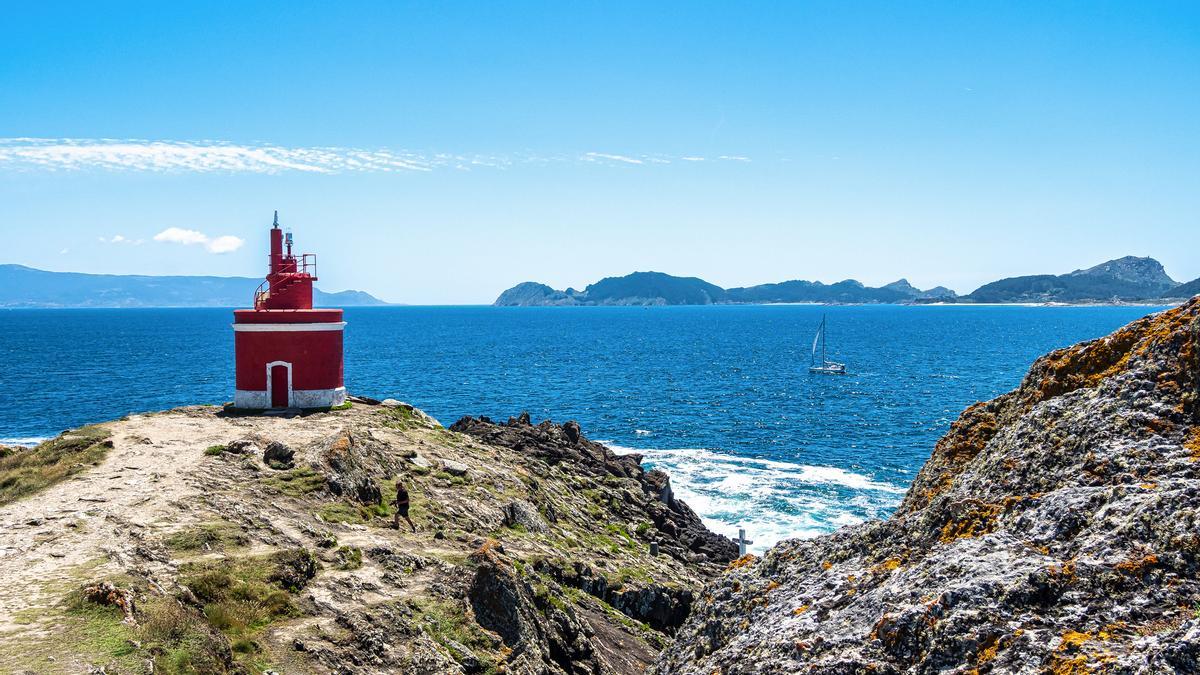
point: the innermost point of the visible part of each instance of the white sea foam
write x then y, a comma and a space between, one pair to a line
24, 441
773, 500
642, 432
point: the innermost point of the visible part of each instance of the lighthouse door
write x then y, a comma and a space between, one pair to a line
279, 386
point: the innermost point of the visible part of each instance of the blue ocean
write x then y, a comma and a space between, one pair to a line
720, 397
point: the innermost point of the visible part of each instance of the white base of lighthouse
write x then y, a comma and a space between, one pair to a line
297, 398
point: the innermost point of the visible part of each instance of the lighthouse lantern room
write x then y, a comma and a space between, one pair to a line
288, 354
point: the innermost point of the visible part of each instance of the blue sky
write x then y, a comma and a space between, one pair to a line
439, 153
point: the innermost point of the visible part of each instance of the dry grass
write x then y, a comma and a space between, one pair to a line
27, 472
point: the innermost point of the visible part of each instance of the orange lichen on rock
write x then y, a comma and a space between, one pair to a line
987, 651
1192, 443
741, 562
887, 565
1137, 565
772, 585
1066, 571
1073, 640
800, 610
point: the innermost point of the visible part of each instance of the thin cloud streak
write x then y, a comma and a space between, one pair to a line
76, 154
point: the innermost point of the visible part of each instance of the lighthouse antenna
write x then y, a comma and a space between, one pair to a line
276, 223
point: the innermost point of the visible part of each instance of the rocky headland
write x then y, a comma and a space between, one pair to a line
202, 540
1055, 529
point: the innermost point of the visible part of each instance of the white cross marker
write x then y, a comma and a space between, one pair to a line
742, 541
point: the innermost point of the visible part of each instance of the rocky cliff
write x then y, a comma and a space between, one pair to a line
202, 540
1055, 529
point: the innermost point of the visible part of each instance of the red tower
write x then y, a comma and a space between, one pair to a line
288, 354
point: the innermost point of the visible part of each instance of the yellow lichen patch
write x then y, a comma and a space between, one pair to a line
800, 610
826, 565
980, 517
1148, 486
1073, 639
741, 562
1137, 565
771, 586
1073, 666
1066, 571
887, 565
1111, 631
987, 651
1192, 443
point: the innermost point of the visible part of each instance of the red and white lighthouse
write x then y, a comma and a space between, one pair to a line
288, 354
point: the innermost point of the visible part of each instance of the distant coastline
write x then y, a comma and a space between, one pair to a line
1123, 281
28, 288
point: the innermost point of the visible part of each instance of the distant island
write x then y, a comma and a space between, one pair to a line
1128, 279
26, 287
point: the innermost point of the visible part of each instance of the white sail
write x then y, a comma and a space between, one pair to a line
817, 340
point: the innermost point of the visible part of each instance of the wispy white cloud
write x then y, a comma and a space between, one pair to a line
225, 243
734, 158
76, 154
594, 156
121, 239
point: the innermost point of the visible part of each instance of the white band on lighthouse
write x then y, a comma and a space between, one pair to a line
298, 398
286, 327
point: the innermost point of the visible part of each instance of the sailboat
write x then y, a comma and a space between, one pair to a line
824, 366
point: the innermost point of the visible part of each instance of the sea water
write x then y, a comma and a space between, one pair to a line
719, 397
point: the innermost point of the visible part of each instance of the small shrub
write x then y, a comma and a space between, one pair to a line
213, 450
294, 568
349, 558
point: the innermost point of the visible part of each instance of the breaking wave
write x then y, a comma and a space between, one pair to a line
23, 441
772, 500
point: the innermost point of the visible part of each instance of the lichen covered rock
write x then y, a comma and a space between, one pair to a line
1055, 529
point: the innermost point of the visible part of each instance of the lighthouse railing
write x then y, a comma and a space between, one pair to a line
260, 294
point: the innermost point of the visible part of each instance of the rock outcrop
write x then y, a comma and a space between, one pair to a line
677, 529
195, 540
1054, 529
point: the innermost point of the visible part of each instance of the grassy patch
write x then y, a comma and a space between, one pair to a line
297, 482
341, 512
217, 535
447, 623
97, 631
343, 406
241, 597
180, 639
24, 473
214, 450
401, 418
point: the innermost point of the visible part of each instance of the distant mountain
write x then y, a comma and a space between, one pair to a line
656, 288
1128, 279
22, 286
1187, 290
1123, 279
935, 293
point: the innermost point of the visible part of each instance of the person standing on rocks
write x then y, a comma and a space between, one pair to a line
401, 504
